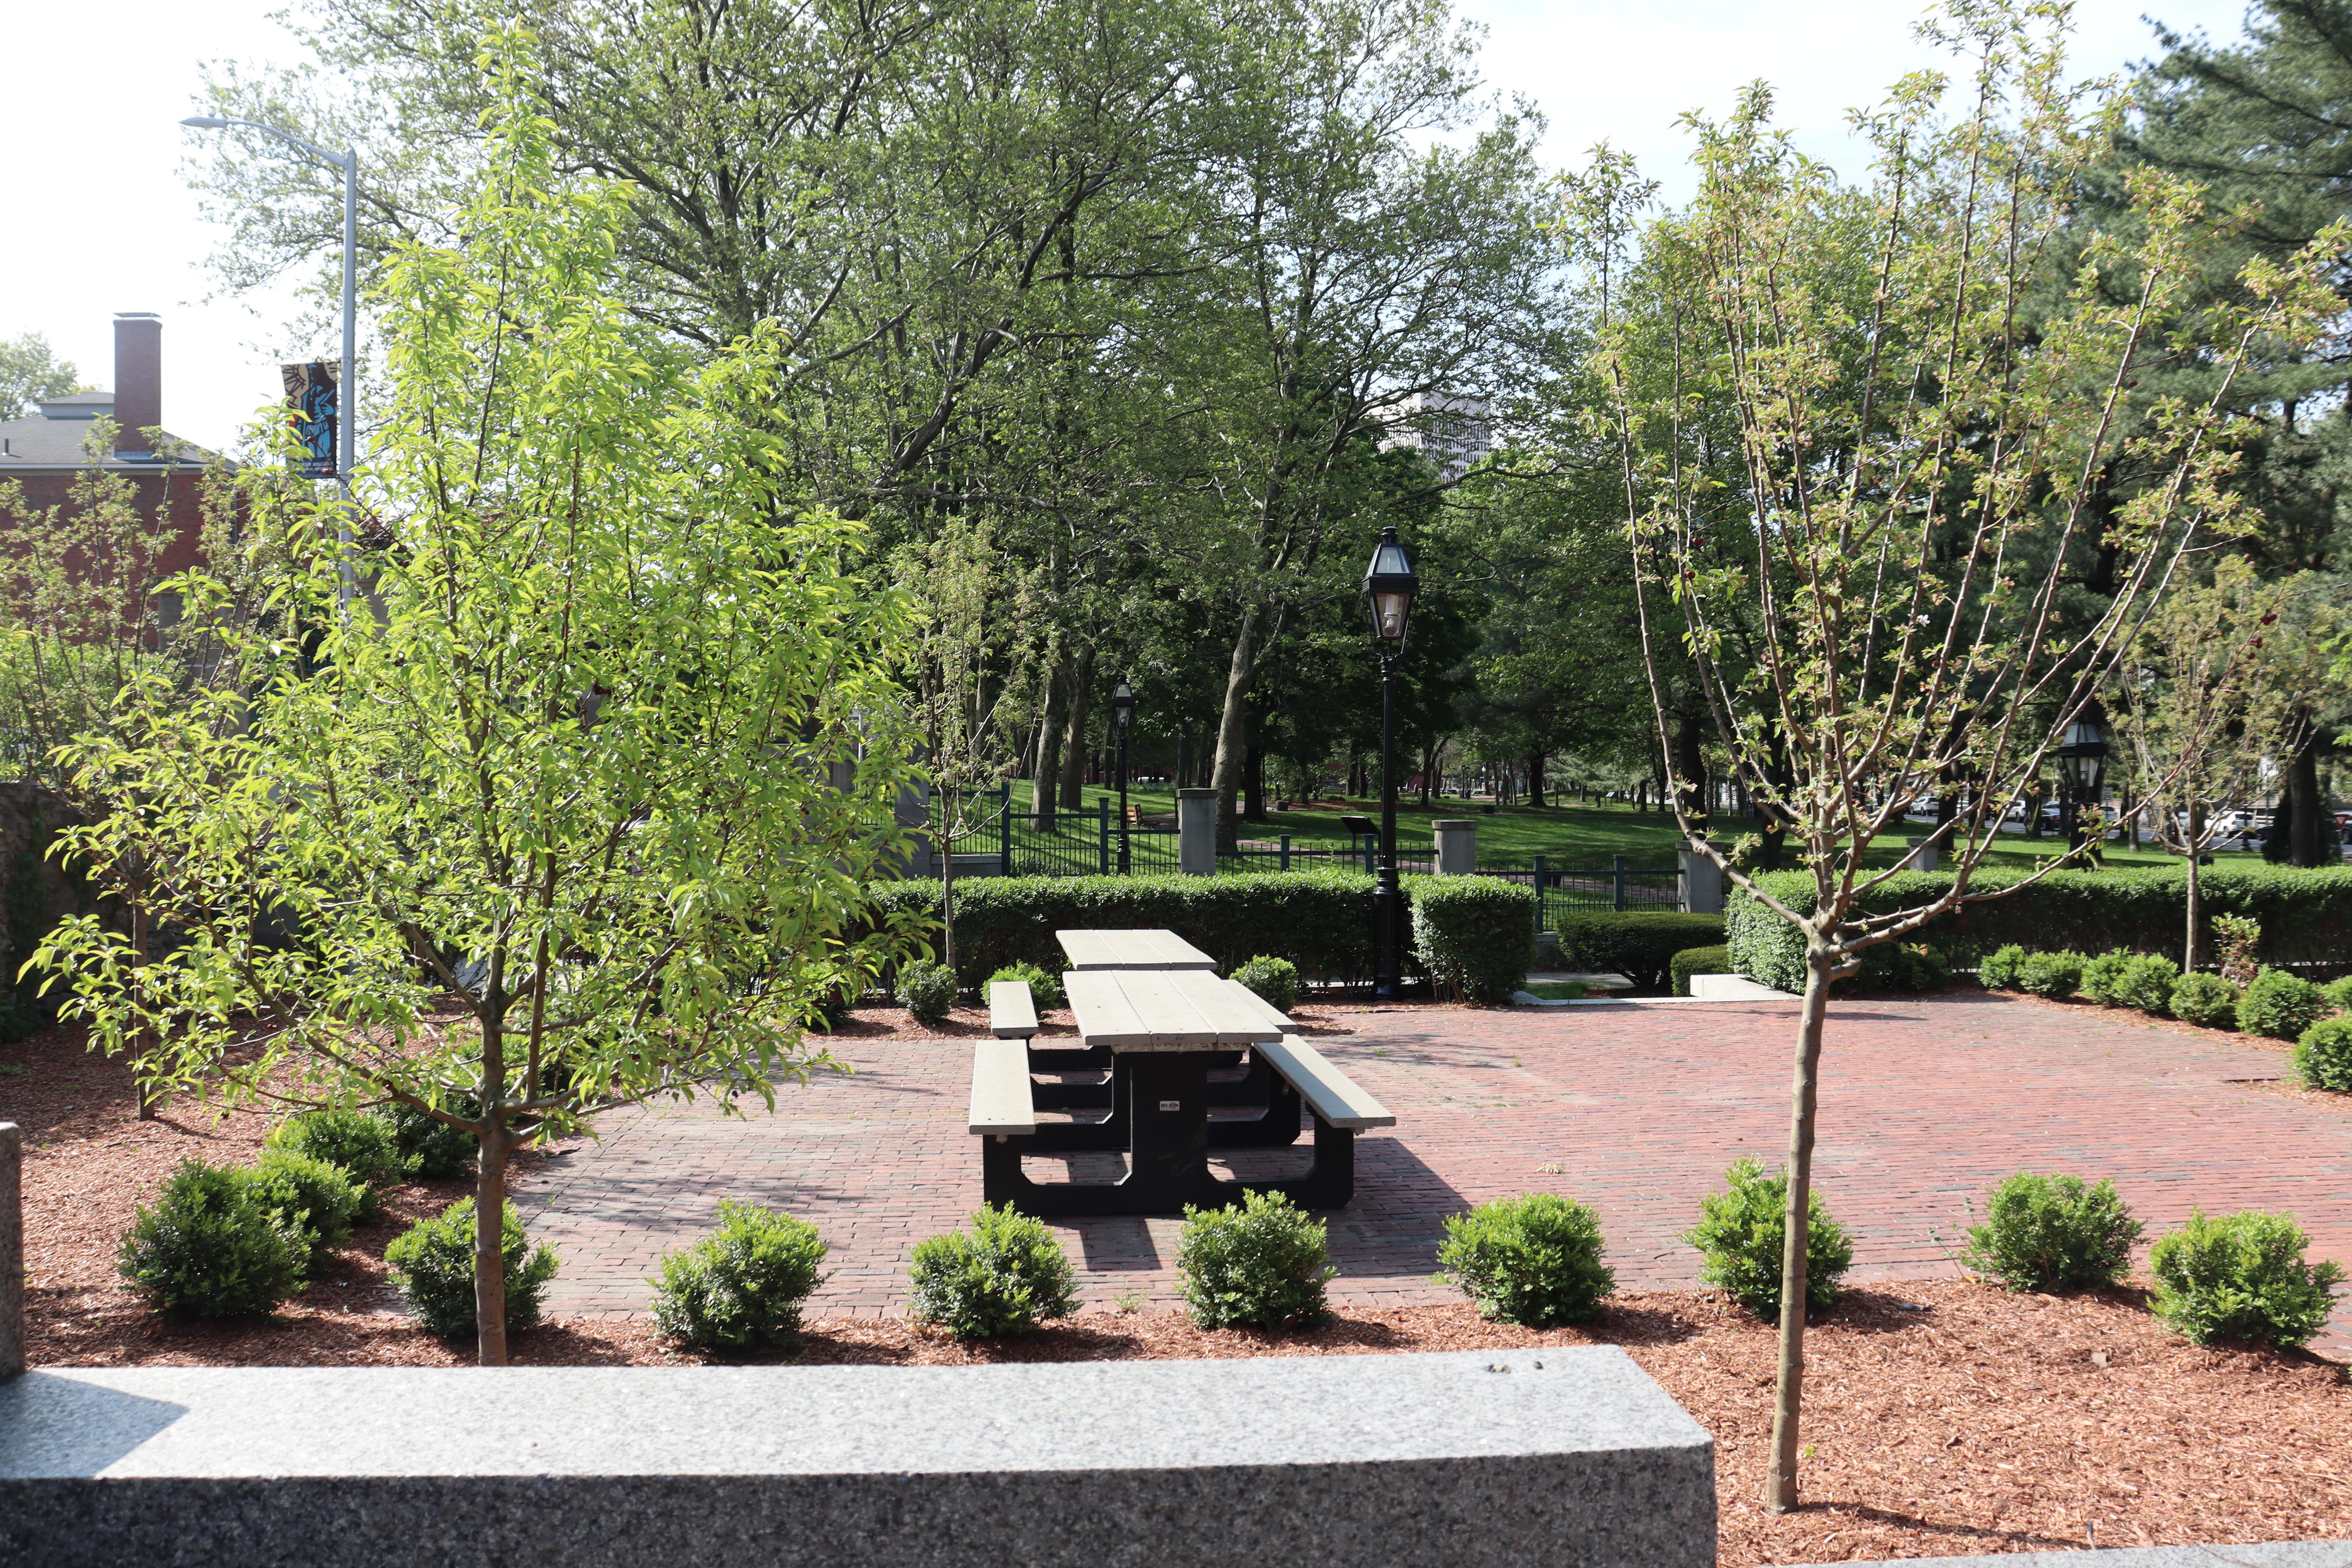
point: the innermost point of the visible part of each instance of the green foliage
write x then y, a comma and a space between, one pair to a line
1998, 971
927, 990
433, 1264
1045, 985
1534, 1260
2306, 915
2053, 1233
2281, 1006
1690, 961
1259, 1265
1274, 980
1902, 966
2103, 977
1005, 1275
1740, 1234
2205, 999
430, 1148
212, 1245
2323, 1056
1474, 936
2339, 993
312, 1197
359, 1145
2147, 984
743, 1284
1640, 944
2241, 1277
1319, 920
2055, 975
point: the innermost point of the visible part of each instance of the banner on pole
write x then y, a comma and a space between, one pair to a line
313, 410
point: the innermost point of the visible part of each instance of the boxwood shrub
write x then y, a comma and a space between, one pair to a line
214, 1246
1005, 1275
743, 1284
2055, 975
1998, 971
2206, 999
1534, 1260
2280, 1006
2103, 977
358, 1145
1474, 936
2323, 1056
431, 1264
1275, 981
2147, 984
1690, 961
2305, 914
1640, 944
2241, 1277
1260, 1264
2053, 1233
1740, 1233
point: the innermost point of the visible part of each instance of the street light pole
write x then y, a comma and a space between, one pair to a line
347, 375
1122, 712
1389, 587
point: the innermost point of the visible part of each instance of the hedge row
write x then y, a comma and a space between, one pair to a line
2306, 915
1475, 935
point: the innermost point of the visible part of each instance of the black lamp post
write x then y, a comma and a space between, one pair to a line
1122, 714
1389, 588
2084, 762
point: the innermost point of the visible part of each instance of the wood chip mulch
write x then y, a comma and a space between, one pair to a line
1942, 1418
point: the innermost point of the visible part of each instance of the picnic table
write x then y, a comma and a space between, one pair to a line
1163, 1030
1148, 948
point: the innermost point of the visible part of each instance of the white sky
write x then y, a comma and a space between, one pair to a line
102, 220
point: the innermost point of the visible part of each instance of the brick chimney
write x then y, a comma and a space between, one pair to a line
138, 380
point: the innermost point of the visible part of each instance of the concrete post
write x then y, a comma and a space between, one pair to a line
1923, 856
12, 1251
1457, 845
1196, 832
1702, 883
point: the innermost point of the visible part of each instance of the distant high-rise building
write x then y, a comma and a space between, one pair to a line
1452, 431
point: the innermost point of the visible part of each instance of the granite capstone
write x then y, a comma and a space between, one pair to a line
1568, 1456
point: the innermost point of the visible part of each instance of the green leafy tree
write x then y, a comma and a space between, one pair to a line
1913, 480
574, 809
30, 371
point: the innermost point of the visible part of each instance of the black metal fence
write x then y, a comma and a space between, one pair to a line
1087, 844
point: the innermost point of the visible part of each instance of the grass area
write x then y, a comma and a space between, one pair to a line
1567, 837
1555, 990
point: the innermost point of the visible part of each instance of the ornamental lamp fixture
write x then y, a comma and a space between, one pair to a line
1389, 587
1122, 705
2085, 755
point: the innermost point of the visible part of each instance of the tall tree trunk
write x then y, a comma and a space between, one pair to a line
1804, 1094
1049, 746
1254, 783
1074, 747
1535, 778
1690, 764
2311, 830
1232, 729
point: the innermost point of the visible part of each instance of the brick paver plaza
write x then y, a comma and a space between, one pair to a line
1636, 1109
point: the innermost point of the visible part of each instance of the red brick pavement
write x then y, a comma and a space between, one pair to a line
1636, 1109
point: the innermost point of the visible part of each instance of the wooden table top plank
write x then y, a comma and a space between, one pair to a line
1263, 1009
1162, 1009
1137, 948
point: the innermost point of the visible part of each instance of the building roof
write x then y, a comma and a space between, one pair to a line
50, 442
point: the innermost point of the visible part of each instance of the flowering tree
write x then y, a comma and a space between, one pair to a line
574, 808
1871, 439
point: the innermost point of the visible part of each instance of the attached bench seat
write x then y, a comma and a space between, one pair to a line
1001, 1103
1336, 1100
1012, 1011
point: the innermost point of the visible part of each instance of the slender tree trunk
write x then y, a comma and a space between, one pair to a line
1535, 778
1074, 748
1254, 785
1690, 763
490, 1201
2196, 841
1804, 1094
1233, 729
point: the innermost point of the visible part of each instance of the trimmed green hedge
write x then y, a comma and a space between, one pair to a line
1474, 936
2306, 915
1638, 944
1690, 961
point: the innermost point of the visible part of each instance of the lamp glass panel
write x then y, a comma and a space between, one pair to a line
1388, 609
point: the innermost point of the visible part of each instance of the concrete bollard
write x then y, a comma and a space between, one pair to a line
1196, 832
1457, 845
1923, 855
12, 1251
1702, 883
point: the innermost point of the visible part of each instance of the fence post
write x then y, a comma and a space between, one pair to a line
1372, 856
1102, 815
1539, 892
1004, 828
12, 1252
1617, 864
1285, 851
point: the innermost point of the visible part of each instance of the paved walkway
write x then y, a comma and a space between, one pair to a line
1636, 1110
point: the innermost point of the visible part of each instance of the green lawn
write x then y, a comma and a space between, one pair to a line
1567, 837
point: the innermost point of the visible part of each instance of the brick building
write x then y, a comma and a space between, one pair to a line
44, 453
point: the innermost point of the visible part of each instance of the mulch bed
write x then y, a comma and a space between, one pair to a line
1942, 1418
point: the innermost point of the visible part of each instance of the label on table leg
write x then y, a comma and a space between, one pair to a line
1171, 1105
